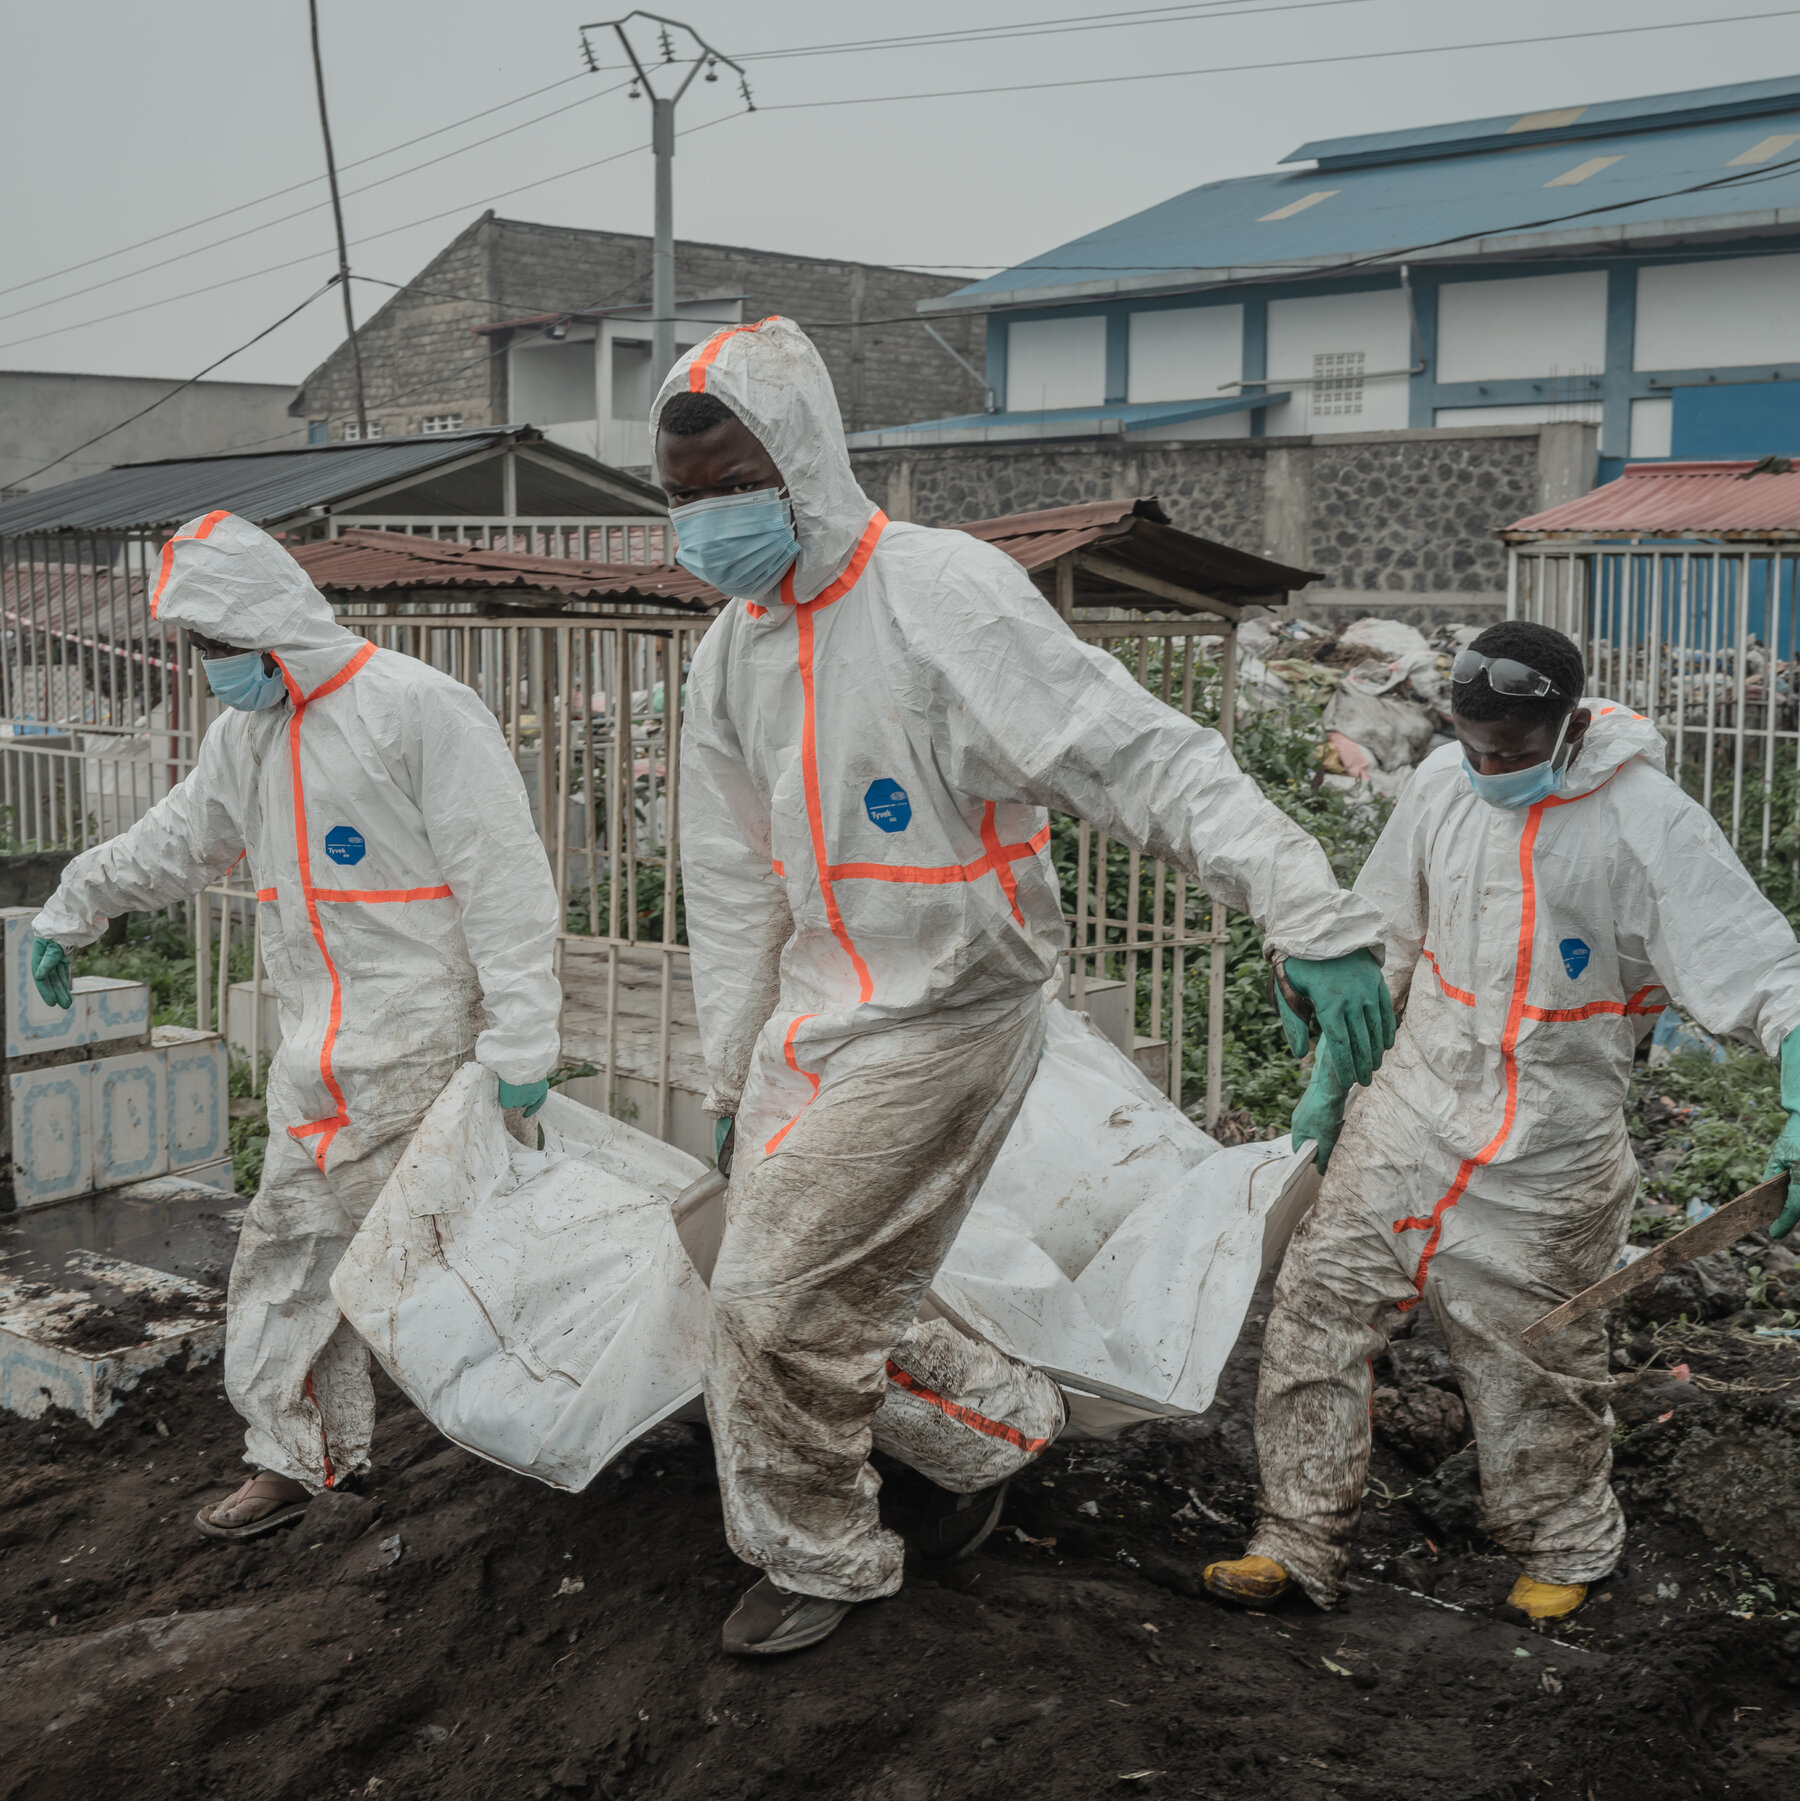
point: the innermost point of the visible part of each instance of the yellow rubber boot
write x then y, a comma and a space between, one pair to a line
1247, 1581
1546, 1600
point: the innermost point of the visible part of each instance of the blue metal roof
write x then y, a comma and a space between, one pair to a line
1061, 422
1744, 100
1527, 199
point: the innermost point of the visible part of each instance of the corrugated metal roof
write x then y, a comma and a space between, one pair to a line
1679, 500
1740, 100
272, 486
1485, 203
1120, 539
1135, 537
1058, 422
359, 564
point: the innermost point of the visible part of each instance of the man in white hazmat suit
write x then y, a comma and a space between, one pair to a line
875, 727
1546, 888
408, 918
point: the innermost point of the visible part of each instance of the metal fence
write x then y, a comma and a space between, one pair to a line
1700, 638
102, 713
632, 539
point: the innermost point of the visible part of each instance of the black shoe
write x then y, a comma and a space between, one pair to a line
767, 1622
952, 1527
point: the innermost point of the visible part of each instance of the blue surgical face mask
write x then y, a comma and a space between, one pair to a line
239, 682
742, 543
1520, 787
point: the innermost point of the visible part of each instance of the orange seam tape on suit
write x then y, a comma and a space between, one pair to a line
809, 747
265, 894
793, 1063
704, 359
1455, 994
207, 526
324, 1437
965, 1416
325, 1130
441, 892
1516, 1014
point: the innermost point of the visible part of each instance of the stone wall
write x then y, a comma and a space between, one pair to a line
421, 354
1404, 518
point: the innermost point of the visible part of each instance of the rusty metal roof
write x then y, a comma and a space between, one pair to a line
1127, 549
1125, 552
1744, 500
388, 565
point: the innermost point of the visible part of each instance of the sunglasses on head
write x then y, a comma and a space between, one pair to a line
1505, 675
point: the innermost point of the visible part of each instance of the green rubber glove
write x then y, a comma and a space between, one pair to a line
529, 1095
1320, 1115
50, 971
1356, 1013
1784, 1154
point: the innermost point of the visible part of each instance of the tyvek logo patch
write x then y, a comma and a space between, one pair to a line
344, 844
1575, 956
886, 804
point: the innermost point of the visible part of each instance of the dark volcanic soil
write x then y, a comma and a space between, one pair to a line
462, 1632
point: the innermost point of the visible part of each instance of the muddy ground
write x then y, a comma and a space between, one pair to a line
461, 1632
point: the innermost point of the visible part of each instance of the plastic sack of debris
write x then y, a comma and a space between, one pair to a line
536, 1305
542, 1311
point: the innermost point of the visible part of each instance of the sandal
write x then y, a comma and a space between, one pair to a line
282, 1501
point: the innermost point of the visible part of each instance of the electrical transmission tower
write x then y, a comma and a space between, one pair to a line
703, 58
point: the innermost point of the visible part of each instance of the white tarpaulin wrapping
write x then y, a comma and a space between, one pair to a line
540, 1309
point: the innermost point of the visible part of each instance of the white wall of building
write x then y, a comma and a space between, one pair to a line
42, 415
1705, 315
1537, 412
1055, 363
549, 382
1652, 428
1320, 342
1186, 353
1514, 330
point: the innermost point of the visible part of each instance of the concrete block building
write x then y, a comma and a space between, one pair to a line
547, 325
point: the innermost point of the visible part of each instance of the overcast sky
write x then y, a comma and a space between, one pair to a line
125, 121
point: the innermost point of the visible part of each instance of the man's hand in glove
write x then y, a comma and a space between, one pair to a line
723, 1142
529, 1095
1320, 1115
1785, 1153
50, 971
1355, 1011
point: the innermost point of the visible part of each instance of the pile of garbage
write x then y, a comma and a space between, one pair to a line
1384, 688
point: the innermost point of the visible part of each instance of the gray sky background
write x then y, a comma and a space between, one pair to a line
123, 121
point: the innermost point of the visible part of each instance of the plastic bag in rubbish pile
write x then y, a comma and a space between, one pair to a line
540, 1309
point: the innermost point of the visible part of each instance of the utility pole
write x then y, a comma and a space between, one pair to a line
662, 145
337, 213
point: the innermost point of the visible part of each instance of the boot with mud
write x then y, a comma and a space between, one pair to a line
262, 1504
952, 1526
1545, 1600
769, 1622
1247, 1581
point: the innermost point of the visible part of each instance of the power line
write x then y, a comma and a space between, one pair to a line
1021, 87
163, 400
243, 206
549, 87
250, 231
1304, 62
368, 238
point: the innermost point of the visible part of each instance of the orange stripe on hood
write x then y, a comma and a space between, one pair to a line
208, 526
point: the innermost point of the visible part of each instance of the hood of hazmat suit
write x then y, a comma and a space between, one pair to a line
407, 911
867, 761
1487, 1169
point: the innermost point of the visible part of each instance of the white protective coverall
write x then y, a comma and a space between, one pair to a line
1487, 1168
872, 909
408, 918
